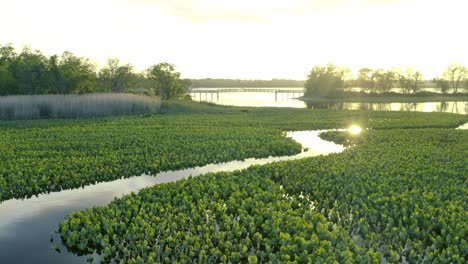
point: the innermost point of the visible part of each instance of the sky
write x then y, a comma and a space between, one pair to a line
247, 39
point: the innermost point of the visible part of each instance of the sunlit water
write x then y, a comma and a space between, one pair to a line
26, 225
252, 99
259, 99
465, 126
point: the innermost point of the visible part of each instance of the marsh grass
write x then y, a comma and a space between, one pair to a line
76, 106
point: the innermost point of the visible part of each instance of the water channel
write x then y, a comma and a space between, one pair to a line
263, 99
27, 225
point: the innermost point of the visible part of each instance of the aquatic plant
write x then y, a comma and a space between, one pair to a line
398, 195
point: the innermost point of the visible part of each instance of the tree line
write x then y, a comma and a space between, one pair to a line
333, 80
32, 72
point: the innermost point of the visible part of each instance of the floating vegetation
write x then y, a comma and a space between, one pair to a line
42, 156
398, 195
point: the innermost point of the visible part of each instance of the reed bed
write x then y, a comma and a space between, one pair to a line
76, 106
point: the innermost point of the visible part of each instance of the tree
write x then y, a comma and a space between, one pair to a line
409, 79
7, 55
384, 80
29, 68
7, 82
442, 84
79, 73
324, 81
166, 80
345, 75
115, 77
455, 74
57, 80
365, 79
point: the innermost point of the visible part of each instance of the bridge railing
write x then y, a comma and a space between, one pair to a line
246, 90
217, 91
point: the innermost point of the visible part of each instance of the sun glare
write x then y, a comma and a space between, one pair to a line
354, 130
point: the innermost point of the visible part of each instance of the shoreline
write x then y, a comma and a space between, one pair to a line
388, 98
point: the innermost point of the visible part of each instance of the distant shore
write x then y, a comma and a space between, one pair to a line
360, 97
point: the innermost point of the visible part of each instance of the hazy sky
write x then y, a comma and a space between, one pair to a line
245, 38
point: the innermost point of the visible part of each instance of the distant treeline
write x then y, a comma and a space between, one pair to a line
333, 80
30, 72
221, 83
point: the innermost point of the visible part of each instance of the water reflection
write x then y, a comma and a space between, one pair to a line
289, 99
464, 126
257, 99
448, 107
26, 225
354, 130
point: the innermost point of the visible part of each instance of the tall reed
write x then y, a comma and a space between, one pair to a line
76, 106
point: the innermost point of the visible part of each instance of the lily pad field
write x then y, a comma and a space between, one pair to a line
396, 194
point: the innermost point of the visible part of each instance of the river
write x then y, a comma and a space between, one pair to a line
263, 99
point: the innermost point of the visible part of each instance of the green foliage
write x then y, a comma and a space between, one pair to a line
190, 107
384, 80
396, 194
168, 84
324, 81
409, 81
455, 75
401, 191
50, 155
115, 77
74, 153
341, 137
79, 74
31, 72
7, 81
381, 81
217, 218
442, 84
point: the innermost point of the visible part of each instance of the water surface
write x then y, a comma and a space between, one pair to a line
260, 99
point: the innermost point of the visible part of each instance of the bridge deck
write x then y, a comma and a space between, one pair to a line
247, 90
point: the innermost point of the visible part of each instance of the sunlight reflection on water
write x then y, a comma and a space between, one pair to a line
354, 129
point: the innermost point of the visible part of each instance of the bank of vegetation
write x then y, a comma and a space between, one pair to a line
332, 82
51, 155
388, 97
30, 72
397, 196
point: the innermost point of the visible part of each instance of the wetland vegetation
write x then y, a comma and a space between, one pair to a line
51, 155
259, 151
397, 195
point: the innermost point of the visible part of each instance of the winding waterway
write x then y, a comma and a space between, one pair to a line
26, 226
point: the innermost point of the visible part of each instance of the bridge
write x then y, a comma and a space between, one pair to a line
217, 91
